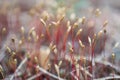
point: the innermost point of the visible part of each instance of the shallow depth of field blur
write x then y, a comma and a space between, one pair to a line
59, 40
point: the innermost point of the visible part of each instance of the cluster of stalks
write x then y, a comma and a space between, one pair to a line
55, 48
